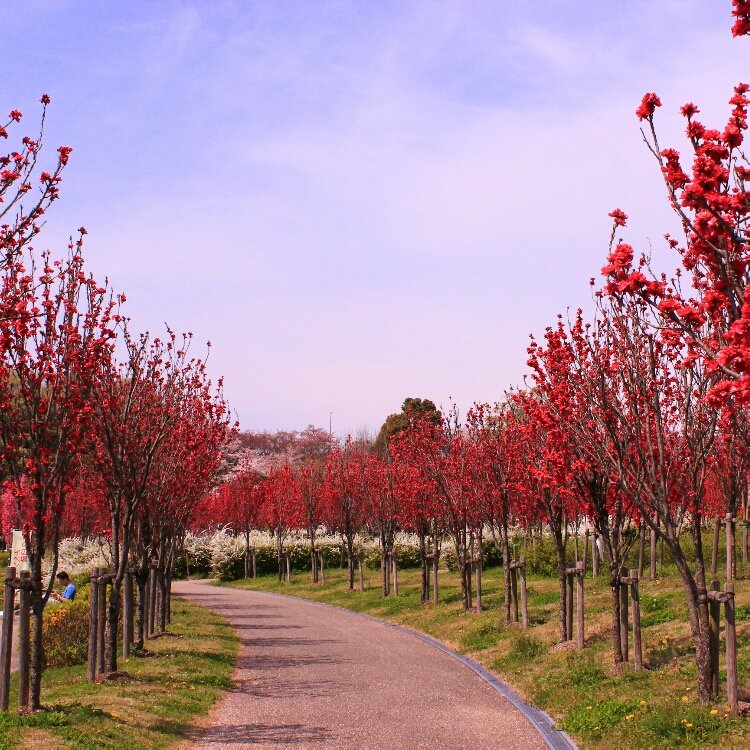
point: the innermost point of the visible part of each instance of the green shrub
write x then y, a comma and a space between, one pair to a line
541, 557
65, 632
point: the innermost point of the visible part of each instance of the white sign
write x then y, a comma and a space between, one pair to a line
18, 557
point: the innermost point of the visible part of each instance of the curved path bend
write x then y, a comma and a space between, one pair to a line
320, 677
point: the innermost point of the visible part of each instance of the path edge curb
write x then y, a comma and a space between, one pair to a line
555, 739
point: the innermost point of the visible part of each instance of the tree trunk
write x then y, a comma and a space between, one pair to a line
36, 663
561, 566
425, 568
506, 569
313, 556
350, 555
141, 581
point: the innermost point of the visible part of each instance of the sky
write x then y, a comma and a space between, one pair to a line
356, 202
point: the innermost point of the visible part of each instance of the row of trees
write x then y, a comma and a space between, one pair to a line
635, 419
101, 430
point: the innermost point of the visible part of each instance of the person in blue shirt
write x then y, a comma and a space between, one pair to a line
69, 592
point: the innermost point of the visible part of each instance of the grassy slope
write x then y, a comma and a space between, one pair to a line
656, 708
151, 710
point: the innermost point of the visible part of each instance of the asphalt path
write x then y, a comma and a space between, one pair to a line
312, 676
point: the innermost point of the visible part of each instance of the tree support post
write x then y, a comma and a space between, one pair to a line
727, 599
524, 595
730, 636
24, 639
127, 614
641, 548
93, 626
715, 547
623, 614
586, 535
714, 613
635, 600
394, 576
595, 555
579, 602
569, 601
101, 620
729, 521
6, 640
152, 597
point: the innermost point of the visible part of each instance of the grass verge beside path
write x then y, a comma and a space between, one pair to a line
657, 708
151, 708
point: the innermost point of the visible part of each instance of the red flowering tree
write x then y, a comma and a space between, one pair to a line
282, 507
56, 328
344, 507
312, 506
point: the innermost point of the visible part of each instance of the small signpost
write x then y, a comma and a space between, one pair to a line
18, 557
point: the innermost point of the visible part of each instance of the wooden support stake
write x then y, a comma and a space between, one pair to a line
322, 569
729, 522
586, 535
635, 600
569, 602
514, 592
579, 605
152, 598
641, 548
101, 622
93, 626
253, 553
394, 577
595, 555
714, 612
623, 616
652, 566
744, 541
361, 572
24, 640
715, 547
6, 640
730, 635
479, 573
524, 595
127, 614
435, 587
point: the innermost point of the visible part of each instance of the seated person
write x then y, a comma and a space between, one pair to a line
70, 588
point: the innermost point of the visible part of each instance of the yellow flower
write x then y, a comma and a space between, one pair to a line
714, 711
629, 717
685, 699
643, 703
688, 724
588, 708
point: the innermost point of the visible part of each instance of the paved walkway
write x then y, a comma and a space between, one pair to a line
319, 677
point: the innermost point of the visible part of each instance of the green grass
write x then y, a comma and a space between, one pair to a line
598, 706
153, 708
